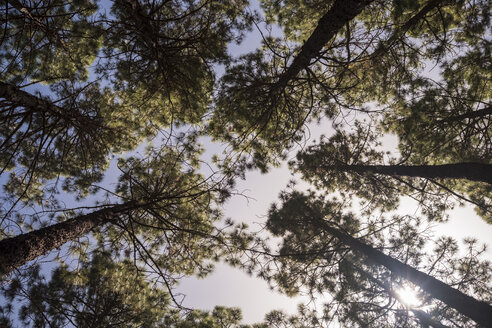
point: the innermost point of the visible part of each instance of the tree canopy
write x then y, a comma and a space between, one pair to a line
107, 108
322, 247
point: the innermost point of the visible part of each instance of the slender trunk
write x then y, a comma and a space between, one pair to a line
341, 12
399, 32
470, 171
16, 97
483, 112
21, 249
424, 317
478, 311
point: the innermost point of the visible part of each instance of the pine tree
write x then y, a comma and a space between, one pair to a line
374, 56
166, 205
327, 249
102, 293
69, 129
351, 161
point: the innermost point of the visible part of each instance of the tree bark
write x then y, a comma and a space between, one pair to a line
18, 97
21, 249
470, 171
341, 12
480, 113
399, 32
478, 311
14, 96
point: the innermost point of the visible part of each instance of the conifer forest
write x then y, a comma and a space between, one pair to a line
128, 129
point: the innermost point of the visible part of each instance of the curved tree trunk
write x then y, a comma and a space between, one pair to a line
478, 311
341, 12
16, 97
469, 171
21, 249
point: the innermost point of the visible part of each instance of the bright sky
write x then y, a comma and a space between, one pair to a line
231, 287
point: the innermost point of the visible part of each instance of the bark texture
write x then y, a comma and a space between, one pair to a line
478, 311
21, 249
328, 26
19, 97
15, 97
470, 171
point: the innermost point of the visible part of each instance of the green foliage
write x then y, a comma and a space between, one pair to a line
297, 18
70, 139
151, 68
322, 165
79, 86
103, 293
170, 229
261, 118
358, 292
163, 54
347, 163
100, 293
49, 41
220, 317
378, 57
447, 121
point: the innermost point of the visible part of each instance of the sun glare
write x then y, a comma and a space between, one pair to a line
408, 296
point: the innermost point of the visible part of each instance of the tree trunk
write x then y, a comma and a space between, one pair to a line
479, 113
424, 318
16, 97
399, 32
341, 12
470, 171
21, 249
478, 311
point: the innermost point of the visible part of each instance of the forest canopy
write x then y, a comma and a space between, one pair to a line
109, 113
